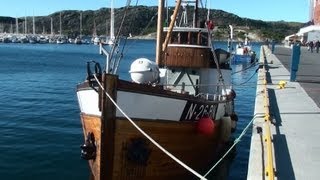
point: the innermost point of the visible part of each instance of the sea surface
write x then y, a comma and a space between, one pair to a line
40, 125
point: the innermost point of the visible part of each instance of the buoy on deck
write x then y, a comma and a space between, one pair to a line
206, 126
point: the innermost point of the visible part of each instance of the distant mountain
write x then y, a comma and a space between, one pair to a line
141, 20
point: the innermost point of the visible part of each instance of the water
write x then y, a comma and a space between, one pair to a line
39, 116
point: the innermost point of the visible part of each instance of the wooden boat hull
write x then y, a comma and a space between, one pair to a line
135, 157
130, 155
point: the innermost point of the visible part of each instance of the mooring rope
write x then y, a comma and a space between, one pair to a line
148, 137
256, 71
236, 141
250, 66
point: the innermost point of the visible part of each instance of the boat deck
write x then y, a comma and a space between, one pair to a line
295, 115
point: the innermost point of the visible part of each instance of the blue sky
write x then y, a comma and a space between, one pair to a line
267, 10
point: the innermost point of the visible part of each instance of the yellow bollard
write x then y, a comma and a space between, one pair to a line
282, 84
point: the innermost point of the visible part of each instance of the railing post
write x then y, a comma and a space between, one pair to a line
295, 59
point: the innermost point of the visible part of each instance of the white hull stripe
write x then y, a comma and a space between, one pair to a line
143, 106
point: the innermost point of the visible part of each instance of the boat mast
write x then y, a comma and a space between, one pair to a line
51, 26
230, 39
33, 26
25, 25
43, 30
17, 26
208, 15
195, 15
60, 24
80, 24
11, 28
159, 31
94, 34
112, 21
173, 20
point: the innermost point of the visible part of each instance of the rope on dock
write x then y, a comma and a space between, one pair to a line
148, 137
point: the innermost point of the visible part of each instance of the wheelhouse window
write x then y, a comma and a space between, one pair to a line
190, 38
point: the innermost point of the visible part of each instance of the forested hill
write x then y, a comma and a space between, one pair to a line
141, 20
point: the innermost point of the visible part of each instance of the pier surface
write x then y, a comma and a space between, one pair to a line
295, 115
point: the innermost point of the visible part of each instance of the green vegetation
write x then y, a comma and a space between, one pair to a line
141, 20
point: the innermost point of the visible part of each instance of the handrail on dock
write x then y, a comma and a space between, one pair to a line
269, 171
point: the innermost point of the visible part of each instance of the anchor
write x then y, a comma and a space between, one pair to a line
88, 149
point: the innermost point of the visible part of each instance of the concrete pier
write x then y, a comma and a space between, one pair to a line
295, 115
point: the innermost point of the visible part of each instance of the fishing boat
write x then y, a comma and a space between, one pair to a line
173, 120
244, 52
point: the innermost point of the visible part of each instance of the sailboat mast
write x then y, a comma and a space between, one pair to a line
33, 26
208, 15
25, 25
94, 34
195, 15
80, 24
159, 31
107, 28
60, 25
112, 21
11, 28
51, 26
17, 26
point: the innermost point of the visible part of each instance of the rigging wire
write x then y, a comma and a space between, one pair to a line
202, 4
117, 39
120, 57
142, 32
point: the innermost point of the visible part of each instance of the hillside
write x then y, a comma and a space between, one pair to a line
141, 20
